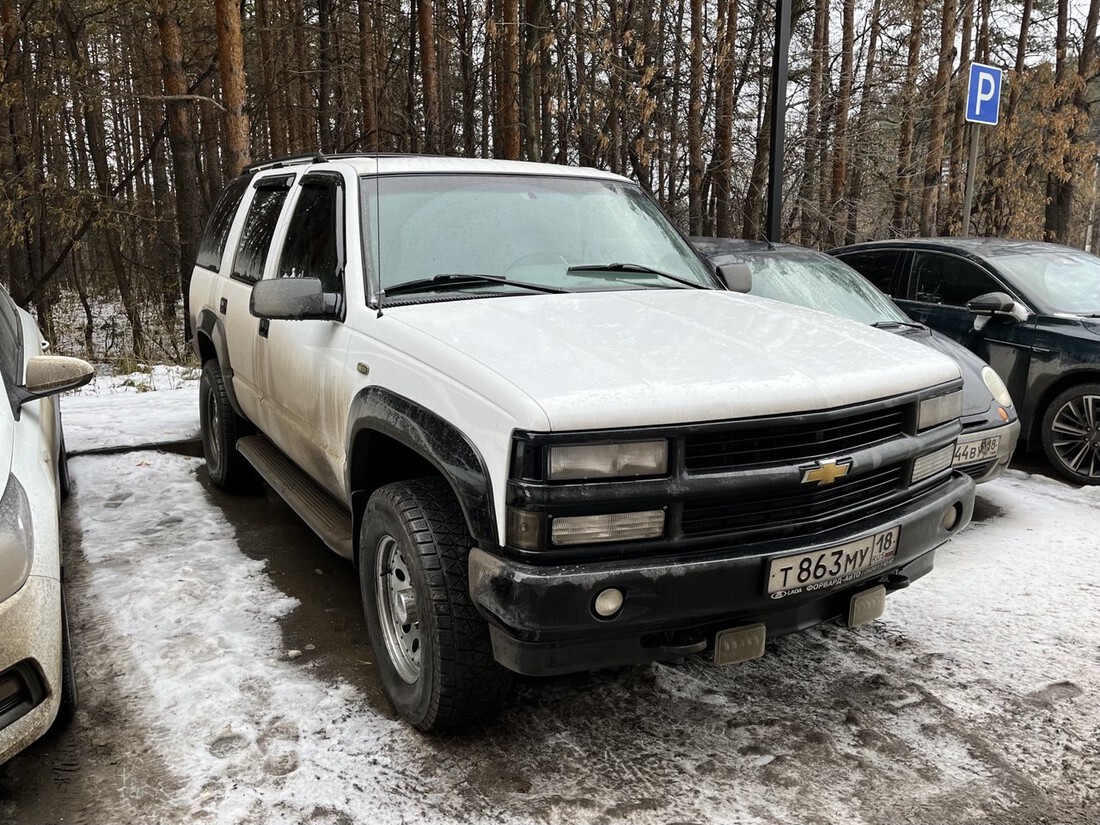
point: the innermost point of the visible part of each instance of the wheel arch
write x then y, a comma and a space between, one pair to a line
391, 438
1063, 383
210, 344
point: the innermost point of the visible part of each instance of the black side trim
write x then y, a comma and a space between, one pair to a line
210, 327
377, 410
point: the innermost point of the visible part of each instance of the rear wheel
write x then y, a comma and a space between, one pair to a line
1071, 433
221, 429
432, 646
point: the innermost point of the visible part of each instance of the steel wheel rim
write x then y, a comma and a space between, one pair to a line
215, 429
1075, 435
395, 598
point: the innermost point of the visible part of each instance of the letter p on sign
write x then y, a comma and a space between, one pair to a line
983, 99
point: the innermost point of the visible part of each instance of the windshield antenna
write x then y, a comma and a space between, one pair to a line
378, 235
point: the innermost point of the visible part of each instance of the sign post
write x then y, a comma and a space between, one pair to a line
983, 107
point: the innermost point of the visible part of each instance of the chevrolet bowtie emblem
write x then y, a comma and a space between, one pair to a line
826, 472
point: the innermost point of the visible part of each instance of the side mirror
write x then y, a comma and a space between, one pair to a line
995, 304
52, 374
291, 299
736, 277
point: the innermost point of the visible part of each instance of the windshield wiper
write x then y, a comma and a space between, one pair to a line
447, 280
896, 324
641, 269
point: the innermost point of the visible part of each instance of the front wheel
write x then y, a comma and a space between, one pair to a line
221, 429
432, 646
1071, 433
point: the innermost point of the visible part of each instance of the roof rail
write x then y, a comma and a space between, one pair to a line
285, 160
318, 157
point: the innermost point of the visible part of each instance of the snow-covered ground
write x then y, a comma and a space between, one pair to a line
975, 699
155, 406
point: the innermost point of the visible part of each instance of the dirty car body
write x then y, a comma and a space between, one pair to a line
518, 385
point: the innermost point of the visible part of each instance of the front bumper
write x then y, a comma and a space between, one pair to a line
30, 663
542, 622
985, 469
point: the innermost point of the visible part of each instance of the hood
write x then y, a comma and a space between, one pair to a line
648, 357
976, 395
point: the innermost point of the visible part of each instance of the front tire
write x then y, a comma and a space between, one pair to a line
221, 429
432, 646
69, 694
1071, 433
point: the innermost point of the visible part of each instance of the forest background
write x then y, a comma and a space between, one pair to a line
120, 122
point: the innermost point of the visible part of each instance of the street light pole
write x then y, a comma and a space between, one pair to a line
778, 122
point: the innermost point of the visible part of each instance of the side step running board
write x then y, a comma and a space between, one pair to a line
324, 514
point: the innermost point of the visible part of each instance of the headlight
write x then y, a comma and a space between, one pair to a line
996, 386
937, 410
16, 539
625, 460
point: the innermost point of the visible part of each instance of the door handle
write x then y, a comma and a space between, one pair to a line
265, 324
223, 305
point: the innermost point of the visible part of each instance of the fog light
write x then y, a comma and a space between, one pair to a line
931, 463
951, 518
609, 602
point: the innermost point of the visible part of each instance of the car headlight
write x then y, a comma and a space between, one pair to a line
16, 539
624, 460
939, 409
996, 386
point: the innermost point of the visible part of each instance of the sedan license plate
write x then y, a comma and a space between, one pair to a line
821, 568
973, 451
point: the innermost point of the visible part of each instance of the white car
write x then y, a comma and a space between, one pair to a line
37, 688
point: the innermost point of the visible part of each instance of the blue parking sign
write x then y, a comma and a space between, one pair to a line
983, 99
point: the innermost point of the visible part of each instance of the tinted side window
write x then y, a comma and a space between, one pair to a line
259, 227
217, 227
945, 279
310, 250
877, 267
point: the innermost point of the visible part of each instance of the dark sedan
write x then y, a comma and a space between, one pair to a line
796, 275
1032, 310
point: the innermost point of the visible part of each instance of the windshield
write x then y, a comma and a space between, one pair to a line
1066, 280
814, 280
522, 228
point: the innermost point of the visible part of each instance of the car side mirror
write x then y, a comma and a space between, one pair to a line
736, 277
47, 375
995, 305
292, 299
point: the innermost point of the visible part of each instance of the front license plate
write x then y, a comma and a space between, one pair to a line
831, 565
976, 451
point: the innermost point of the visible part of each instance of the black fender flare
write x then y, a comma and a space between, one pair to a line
440, 443
211, 328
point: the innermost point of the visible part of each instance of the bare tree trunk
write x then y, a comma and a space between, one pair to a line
231, 67
840, 127
808, 193
695, 122
900, 222
933, 160
428, 78
856, 190
509, 81
951, 206
726, 108
189, 218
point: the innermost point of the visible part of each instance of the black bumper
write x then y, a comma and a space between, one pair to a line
542, 620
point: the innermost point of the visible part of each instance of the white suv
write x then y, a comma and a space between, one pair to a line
548, 434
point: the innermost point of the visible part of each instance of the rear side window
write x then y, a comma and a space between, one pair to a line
311, 250
259, 228
217, 227
878, 267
